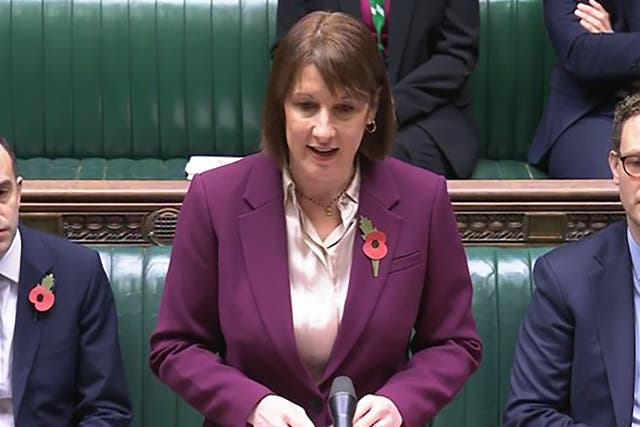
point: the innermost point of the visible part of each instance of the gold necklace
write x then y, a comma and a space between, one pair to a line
328, 208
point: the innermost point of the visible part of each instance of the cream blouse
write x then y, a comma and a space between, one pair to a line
318, 273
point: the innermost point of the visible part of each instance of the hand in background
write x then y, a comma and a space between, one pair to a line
376, 411
276, 411
593, 17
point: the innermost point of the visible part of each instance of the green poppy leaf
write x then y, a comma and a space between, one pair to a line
48, 281
366, 226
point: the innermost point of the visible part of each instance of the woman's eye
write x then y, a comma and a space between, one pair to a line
345, 108
306, 106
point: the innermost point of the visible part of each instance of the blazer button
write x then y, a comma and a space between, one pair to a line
317, 405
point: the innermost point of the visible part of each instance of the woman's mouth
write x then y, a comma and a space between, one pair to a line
322, 152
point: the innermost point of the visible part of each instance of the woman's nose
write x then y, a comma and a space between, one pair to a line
323, 126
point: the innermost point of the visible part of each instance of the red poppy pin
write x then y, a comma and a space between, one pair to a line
375, 243
41, 296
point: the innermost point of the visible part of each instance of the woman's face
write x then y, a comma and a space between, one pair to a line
323, 130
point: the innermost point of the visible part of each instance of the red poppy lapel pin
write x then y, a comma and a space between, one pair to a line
41, 295
375, 243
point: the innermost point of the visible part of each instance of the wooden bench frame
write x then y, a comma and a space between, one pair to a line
494, 212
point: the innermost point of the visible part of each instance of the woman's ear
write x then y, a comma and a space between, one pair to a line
373, 107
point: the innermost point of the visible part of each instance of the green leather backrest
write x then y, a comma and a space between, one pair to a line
509, 86
133, 78
165, 79
137, 277
502, 287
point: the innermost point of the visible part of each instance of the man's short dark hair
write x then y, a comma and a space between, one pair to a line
627, 108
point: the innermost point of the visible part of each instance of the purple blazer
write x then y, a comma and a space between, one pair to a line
225, 339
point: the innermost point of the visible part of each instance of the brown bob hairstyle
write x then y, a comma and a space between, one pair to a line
347, 57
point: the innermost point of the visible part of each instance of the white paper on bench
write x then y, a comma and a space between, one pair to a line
199, 164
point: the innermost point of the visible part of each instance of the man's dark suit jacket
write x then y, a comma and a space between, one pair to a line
590, 68
67, 369
432, 50
574, 360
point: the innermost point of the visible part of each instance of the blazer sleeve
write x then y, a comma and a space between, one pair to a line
103, 398
590, 56
188, 337
541, 372
446, 348
439, 80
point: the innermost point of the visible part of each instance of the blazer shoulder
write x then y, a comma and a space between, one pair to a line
229, 178
410, 191
237, 187
228, 171
411, 179
579, 257
57, 247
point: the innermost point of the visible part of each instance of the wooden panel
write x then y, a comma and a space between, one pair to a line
488, 212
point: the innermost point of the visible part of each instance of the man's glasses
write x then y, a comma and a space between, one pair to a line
630, 164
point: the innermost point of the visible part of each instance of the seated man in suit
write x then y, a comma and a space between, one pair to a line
60, 362
577, 358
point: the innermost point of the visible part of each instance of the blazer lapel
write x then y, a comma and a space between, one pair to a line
613, 291
34, 263
377, 196
263, 239
399, 26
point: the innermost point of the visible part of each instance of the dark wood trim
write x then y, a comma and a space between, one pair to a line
496, 212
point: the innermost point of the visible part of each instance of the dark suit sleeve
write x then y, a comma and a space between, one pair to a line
440, 79
289, 12
590, 56
188, 335
541, 373
446, 348
102, 388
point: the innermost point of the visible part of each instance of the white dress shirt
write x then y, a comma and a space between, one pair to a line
318, 273
9, 276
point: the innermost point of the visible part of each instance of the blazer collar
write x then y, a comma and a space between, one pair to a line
263, 240
612, 284
35, 262
378, 183
264, 183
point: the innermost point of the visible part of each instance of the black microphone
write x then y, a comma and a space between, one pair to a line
342, 402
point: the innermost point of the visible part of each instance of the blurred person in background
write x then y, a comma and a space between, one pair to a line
597, 47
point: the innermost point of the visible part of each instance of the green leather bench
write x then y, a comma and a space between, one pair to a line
509, 86
502, 286
115, 89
